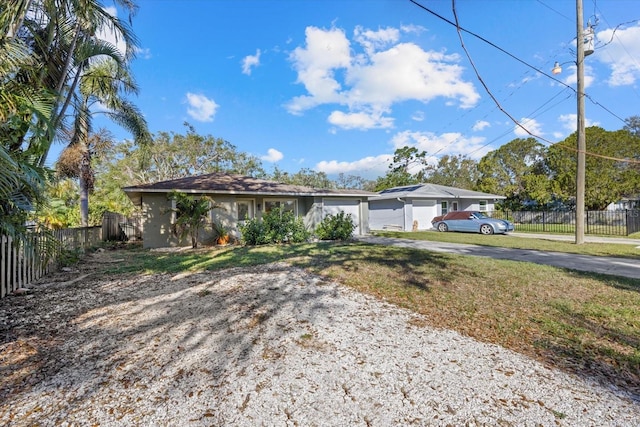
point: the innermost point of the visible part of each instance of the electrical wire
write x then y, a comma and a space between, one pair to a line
460, 30
554, 10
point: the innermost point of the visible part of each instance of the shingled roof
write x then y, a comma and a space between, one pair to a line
222, 183
432, 191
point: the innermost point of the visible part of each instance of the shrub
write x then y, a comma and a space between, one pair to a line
276, 226
253, 232
336, 227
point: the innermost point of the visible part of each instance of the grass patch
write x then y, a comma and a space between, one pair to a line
508, 241
586, 323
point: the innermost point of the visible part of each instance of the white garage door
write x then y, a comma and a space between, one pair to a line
423, 212
334, 206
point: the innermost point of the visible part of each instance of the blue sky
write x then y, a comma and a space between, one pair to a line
338, 85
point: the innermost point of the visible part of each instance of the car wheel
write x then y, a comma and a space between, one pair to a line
443, 227
486, 229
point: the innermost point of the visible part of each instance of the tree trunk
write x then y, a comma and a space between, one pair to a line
85, 187
84, 202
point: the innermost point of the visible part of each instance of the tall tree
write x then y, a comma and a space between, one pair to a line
353, 182
105, 82
407, 168
62, 38
610, 172
632, 124
45, 46
504, 171
172, 156
305, 177
454, 171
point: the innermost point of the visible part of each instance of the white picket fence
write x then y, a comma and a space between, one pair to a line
23, 261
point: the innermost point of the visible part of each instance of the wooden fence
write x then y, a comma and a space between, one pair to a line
23, 261
118, 227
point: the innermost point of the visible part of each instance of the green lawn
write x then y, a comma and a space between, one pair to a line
510, 241
581, 322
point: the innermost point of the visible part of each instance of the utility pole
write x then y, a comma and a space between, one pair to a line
581, 143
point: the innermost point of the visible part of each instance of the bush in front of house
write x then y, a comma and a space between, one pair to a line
336, 227
276, 226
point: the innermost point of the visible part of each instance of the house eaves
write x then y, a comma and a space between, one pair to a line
227, 184
432, 192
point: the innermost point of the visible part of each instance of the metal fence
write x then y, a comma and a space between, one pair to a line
608, 223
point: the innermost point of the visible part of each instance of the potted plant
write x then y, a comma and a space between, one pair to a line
220, 233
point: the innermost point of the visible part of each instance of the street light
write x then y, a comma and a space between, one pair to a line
584, 47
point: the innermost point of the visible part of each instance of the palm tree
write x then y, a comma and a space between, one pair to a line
103, 83
191, 215
45, 47
60, 37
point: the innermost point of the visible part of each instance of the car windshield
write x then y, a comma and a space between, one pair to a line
480, 215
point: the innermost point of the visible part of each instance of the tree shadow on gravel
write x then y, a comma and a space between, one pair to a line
125, 331
163, 317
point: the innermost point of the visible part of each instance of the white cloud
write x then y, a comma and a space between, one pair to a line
451, 143
144, 53
368, 166
411, 28
570, 124
621, 54
569, 75
418, 116
385, 73
481, 125
272, 156
531, 125
115, 38
249, 62
372, 41
361, 120
201, 108
110, 35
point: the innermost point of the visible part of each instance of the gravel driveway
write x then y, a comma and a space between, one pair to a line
267, 345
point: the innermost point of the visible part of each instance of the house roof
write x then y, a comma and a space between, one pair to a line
432, 191
222, 183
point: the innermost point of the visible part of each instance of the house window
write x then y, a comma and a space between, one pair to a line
245, 209
445, 207
288, 205
483, 205
454, 206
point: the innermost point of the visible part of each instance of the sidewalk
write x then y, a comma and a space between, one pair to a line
587, 239
624, 267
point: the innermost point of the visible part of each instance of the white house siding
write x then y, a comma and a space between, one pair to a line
386, 214
348, 206
423, 212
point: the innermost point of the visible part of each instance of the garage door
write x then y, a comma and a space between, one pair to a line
335, 206
423, 212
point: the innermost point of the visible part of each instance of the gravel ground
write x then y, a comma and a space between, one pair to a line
269, 345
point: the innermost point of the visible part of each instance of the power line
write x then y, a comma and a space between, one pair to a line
554, 10
460, 30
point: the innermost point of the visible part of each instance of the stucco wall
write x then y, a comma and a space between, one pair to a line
157, 221
157, 217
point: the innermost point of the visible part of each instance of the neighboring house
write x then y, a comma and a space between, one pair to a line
241, 197
626, 203
399, 208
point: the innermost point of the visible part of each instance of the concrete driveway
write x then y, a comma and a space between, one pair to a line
624, 267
